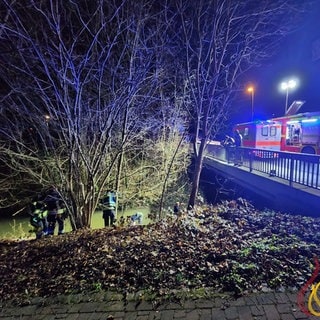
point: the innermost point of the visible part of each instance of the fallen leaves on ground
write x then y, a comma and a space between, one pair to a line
230, 247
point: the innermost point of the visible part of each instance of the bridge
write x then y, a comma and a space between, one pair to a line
290, 182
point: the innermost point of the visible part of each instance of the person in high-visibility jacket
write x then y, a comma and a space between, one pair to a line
61, 213
108, 208
38, 217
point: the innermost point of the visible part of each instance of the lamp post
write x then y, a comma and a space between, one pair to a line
251, 91
286, 86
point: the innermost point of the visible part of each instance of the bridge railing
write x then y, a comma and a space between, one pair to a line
297, 168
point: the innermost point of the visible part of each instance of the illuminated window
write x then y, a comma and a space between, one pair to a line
265, 131
273, 131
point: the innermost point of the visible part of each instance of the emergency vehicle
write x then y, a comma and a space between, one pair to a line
293, 133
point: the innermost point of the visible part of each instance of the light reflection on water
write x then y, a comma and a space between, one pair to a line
18, 227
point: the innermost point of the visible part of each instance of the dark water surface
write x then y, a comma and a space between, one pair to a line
18, 226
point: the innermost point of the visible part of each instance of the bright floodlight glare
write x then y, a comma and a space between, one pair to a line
287, 86
291, 84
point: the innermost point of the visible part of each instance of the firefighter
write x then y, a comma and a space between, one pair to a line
108, 208
61, 216
238, 144
54, 206
38, 218
228, 142
136, 218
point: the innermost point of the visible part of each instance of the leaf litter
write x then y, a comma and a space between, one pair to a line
229, 247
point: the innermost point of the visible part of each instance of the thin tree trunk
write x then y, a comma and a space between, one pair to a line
167, 176
196, 173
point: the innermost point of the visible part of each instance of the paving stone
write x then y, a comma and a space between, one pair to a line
97, 316
143, 313
239, 302
282, 297
118, 314
267, 298
130, 316
257, 310
48, 317
284, 308
271, 312
293, 297
251, 300
28, 310
154, 315
193, 314
63, 316
219, 302
218, 314
130, 306
261, 318
144, 305
75, 308
46, 310
39, 317
88, 307
244, 313
9, 312
180, 314
114, 306
202, 304
287, 316
205, 314
83, 316
172, 306
143, 317
60, 308
300, 315
189, 304
167, 315
231, 313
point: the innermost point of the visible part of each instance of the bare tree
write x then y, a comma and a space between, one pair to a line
79, 80
220, 40
81, 91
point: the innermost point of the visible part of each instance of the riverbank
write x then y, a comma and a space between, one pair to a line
231, 247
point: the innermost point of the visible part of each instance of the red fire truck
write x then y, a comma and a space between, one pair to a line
293, 133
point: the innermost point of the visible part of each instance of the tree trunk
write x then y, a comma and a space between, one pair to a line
164, 187
198, 161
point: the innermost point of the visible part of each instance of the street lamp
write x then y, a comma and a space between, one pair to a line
251, 91
286, 86
47, 118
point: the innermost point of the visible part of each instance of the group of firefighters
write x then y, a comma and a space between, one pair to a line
46, 211
49, 209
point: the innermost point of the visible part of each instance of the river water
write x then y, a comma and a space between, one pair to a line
18, 227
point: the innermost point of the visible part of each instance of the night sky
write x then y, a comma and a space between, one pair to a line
294, 59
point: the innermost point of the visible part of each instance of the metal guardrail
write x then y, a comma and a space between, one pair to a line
303, 169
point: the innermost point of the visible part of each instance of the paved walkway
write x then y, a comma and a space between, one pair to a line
260, 306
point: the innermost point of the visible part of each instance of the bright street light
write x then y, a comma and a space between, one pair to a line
251, 91
286, 86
